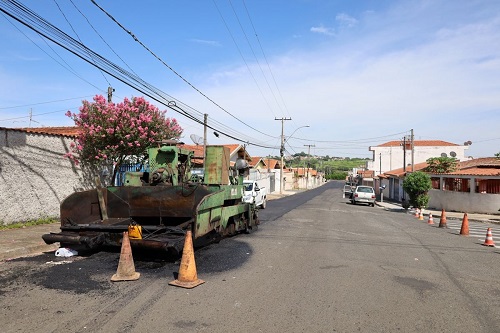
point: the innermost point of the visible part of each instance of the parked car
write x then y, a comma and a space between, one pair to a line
363, 194
255, 194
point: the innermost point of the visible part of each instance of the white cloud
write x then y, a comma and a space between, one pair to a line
346, 20
323, 30
205, 42
392, 79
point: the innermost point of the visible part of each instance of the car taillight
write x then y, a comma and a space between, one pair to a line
356, 195
373, 196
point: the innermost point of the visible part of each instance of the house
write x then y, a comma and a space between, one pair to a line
258, 163
398, 154
393, 181
474, 187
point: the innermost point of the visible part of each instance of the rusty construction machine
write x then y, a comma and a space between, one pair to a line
158, 207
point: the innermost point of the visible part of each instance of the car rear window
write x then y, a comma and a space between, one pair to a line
365, 189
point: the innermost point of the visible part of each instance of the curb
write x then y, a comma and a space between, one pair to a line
26, 251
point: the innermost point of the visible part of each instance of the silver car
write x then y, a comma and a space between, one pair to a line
363, 194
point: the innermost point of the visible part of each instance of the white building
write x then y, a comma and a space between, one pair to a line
392, 155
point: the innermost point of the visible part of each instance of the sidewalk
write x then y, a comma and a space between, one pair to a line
15, 243
396, 207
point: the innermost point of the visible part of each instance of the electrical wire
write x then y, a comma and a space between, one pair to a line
71, 26
172, 70
33, 21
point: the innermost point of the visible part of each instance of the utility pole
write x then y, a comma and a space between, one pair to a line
205, 118
380, 163
412, 151
308, 158
282, 150
404, 154
110, 94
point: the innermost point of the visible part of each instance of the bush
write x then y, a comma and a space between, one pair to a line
417, 185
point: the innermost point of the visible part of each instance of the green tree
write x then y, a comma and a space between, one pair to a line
417, 185
441, 164
336, 175
497, 155
112, 134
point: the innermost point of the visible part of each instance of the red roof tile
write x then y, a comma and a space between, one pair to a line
418, 143
71, 131
483, 161
400, 172
477, 172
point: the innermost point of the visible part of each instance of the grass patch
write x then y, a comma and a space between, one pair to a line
17, 225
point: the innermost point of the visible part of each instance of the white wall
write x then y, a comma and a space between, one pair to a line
482, 203
392, 157
34, 175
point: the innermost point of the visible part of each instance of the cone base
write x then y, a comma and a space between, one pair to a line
187, 285
133, 277
492, 245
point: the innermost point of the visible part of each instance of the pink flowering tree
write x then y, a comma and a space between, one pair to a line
113, 134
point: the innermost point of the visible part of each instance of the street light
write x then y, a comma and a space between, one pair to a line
282, 152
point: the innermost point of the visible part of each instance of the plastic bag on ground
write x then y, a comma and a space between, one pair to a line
65, 252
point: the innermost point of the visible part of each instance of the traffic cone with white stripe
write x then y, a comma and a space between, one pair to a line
417, 212
442, 220
421, 216
431, 219
489, 238
464, 230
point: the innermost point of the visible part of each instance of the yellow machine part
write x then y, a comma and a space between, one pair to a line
135, 231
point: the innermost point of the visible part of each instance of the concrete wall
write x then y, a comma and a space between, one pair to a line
34, 175
483, 203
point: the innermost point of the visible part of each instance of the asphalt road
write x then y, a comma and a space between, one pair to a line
316, 264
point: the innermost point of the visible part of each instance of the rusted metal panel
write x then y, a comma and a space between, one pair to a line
217, 165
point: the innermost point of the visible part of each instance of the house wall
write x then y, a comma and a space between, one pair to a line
34, 176
482, 203
392, 157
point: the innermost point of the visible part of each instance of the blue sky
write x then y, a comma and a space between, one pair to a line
358, 73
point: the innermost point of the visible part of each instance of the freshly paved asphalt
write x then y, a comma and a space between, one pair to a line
16, 243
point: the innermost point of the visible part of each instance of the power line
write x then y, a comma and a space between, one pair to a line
173, 71
71, 26
40, 103
264, 54
28, 18
254, 55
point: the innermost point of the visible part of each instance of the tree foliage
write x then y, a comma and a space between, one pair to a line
441, 164
336, 175
114, 133
417, 185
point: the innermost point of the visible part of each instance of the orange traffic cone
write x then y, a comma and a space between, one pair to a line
417, 212
489, 238
421, 216
126, 269
442, 220
431, 219
464, 230
187, 277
